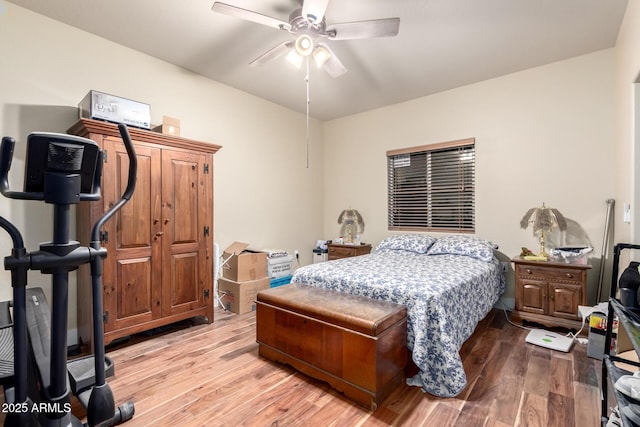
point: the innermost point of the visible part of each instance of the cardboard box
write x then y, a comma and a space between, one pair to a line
242, 264
597, 333
240, 297
169, 126
279, 266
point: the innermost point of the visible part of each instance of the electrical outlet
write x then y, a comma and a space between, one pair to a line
504, 266
296, 253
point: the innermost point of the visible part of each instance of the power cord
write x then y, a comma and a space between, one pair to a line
575, 336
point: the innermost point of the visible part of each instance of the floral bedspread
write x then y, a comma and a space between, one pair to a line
445, 295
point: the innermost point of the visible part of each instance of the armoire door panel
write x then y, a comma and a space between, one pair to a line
185, 272
182, 198
132, 236
184, 240
138, 222
134, 287
135, 218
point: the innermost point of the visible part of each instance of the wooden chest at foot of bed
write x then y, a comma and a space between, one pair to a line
358, 345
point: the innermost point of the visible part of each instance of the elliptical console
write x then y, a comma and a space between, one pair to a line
61, 170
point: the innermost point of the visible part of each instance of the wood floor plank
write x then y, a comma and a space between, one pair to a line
518, 362
507, 400
417, 410
561, 376
537, 378
586, 370
231, 397
484, 392
335, 412
295, 403
496, 423
481, 328
533, 411
586, 416
441, 415
468, 419
476, 361
560, 410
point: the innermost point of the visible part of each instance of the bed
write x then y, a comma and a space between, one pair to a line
448, 285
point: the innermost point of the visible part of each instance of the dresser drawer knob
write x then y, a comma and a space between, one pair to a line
528, 271
570, 276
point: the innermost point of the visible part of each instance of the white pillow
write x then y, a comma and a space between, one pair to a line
464, 245
419, 243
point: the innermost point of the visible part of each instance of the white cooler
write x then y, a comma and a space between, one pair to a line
279, 266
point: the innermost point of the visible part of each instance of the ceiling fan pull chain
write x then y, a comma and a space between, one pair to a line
306, 79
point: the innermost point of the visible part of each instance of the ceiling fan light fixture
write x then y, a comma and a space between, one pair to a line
304, 45
321, 56
294, 58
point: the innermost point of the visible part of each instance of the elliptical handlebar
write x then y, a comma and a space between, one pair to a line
41, 158
6, 154
133, 162
101, 409
128, 192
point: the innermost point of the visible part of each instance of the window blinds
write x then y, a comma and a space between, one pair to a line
432, 187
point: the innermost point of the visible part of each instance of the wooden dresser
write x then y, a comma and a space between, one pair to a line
337, 251
549, 292
159, 266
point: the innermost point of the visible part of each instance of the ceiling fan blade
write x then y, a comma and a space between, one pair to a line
334, 67
314, 10
388, 27
272, 53
250, 15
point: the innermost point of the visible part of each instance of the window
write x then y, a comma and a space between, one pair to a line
432, 187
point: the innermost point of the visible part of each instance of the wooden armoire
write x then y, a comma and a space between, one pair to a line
159, 265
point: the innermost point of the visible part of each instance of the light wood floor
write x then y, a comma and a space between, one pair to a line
211, 375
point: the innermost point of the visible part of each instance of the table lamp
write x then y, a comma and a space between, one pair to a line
352, 224
543, 220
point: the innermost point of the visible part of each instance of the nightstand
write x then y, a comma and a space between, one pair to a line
550, 292
338, 251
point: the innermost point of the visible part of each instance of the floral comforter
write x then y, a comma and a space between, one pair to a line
445, 295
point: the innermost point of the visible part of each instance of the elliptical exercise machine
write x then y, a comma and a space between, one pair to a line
60, 170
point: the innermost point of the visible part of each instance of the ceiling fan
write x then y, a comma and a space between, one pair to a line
309, 25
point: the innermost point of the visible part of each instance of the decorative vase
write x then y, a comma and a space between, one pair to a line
629, 284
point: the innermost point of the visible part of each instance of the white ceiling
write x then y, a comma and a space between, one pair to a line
442, 44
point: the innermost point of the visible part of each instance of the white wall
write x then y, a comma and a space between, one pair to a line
627, 141
264, 194
542, 135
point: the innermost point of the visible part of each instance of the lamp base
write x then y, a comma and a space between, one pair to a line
542, 254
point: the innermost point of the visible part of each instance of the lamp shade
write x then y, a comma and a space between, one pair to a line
543, 220
352, 223
294, 58
304, 45
321, 55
